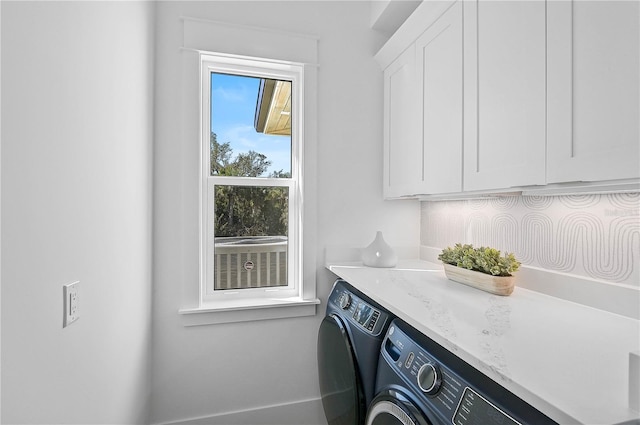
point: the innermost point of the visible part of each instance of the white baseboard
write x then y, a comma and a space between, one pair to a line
301, 412
613, 297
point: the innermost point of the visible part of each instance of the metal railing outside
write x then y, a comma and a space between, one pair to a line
250, 262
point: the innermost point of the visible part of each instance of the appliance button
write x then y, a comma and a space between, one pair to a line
409, 360
374, 319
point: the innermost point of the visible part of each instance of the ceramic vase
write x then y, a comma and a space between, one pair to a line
379, 253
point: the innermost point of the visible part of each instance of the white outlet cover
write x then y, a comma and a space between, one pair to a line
71, 300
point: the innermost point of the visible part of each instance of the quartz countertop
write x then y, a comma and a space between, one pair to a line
567, 360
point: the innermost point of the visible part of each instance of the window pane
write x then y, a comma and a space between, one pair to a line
250, 126
251, 244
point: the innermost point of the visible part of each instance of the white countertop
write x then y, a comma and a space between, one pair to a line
567, 360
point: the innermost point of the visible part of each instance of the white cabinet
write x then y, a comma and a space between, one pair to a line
402, 162
504, 94
439, 88
593, 90
492, 95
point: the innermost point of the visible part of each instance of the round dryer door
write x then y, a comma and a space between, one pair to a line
393, 408
340, 383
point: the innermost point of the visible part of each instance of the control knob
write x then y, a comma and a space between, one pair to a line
429, 378
345, 301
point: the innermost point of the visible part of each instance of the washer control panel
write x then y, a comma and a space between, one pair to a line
475, 409
423, 371
433, 375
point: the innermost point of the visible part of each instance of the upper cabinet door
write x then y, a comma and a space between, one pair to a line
402, 162
594, 91
439, 78
504, 92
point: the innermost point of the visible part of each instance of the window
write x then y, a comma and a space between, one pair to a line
252, 151
271, 58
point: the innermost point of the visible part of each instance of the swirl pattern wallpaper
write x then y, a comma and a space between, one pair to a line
595, 236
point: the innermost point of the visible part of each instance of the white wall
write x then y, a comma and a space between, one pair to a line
205, 372
0, 217
77, 93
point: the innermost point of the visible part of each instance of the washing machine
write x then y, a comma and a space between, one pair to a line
421, 383
349, 341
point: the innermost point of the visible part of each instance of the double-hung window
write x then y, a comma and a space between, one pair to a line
251, 176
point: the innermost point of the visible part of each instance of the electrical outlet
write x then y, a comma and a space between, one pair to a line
71, 303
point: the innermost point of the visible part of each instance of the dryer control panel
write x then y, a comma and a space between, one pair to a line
367, 316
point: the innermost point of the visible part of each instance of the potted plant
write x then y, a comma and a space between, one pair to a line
483, 268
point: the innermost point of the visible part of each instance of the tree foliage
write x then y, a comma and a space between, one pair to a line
247, 210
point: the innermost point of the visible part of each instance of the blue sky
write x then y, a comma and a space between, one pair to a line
232, 112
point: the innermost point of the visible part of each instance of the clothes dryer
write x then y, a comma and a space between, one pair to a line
349, 343
421, 383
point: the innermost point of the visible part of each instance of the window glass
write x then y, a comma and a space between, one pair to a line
251, 243
250, 126
250, 138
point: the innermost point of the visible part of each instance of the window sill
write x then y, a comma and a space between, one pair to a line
248, 310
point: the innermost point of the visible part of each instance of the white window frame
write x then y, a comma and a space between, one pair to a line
265, 45
251, 297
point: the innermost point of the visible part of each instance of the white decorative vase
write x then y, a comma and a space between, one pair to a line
379, 253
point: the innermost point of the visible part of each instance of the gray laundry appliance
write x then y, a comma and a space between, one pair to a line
349, 341
419, 382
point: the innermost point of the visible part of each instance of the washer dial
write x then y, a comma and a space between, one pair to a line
429, 378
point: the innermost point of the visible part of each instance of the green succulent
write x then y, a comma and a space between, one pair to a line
483, 259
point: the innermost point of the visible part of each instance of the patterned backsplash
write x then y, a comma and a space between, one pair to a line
595, 236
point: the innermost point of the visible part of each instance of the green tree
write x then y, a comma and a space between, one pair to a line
220, 155
247, 210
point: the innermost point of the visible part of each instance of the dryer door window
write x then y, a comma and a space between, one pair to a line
340, 383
